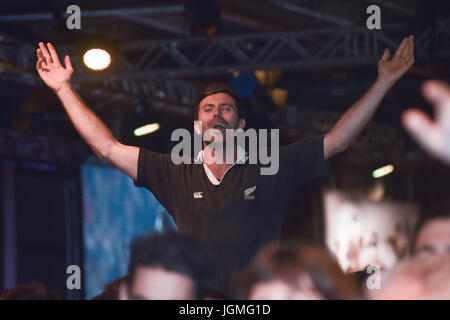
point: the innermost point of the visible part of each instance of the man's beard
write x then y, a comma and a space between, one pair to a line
216, 129
211, 136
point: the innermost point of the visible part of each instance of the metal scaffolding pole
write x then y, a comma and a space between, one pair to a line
295, 50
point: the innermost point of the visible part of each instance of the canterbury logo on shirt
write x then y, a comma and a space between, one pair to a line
198, 195
248, 192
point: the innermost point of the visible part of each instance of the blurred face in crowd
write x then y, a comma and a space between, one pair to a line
434, 237
404, 287
423, 277
219, 112
278, 289
158, 284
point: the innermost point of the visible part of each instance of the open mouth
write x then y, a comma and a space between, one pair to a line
218, 126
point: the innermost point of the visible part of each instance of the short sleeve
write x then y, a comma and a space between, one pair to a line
301, 161
156, 172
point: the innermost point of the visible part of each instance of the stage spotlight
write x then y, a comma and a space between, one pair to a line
383, 171
268, 78
97, 59
96, 51
278, 96
147, 129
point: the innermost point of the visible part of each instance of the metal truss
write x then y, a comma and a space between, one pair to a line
341, 46
320, 48
172, 91
156, 63
148, 68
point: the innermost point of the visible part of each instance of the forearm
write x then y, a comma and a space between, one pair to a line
350, 125
86, 122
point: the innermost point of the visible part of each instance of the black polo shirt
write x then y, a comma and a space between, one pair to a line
240, 214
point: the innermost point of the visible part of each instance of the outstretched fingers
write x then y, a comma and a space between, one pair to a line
411, 46
386, 55
438, 93
401, 47
41, 65
421, 127
68, 63
408, 50
46, 54
432, 135
53, 54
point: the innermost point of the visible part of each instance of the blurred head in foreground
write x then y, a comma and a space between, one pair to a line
420, 278
165, 266
29, 291
293, 272
111, 290
434, 237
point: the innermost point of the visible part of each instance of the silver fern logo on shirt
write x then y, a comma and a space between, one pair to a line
248, 193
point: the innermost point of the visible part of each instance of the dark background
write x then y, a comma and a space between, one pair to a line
42, 152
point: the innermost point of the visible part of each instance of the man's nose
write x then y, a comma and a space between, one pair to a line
217, 113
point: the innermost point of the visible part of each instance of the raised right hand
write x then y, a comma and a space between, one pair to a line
50, 69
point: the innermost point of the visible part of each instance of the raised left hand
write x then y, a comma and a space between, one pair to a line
391, 70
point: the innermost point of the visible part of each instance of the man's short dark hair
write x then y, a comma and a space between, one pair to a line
172, 252
218, 87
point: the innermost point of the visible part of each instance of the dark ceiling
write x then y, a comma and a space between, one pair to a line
317, 93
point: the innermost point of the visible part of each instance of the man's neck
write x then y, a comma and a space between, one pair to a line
211, 159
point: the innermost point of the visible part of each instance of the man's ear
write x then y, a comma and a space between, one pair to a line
123, 291
241, 123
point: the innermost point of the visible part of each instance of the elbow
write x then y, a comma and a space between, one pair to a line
334, 147
341, 148
102, 155
105, 152
336, 144
334, 152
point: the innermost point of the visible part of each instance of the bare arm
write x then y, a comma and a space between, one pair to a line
356, 118
88, 125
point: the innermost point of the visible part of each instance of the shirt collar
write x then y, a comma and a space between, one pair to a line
242, 156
